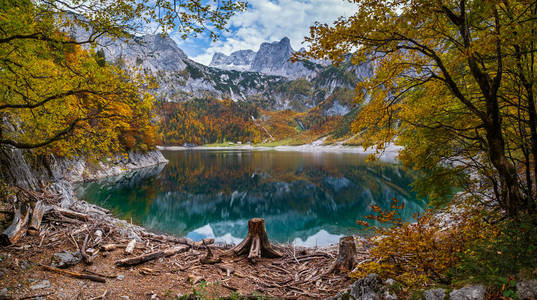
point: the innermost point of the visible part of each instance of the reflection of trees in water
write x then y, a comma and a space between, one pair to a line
296, 194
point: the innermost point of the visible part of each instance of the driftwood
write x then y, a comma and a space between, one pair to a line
88, 259
110, 247
74, 274
171, 239
150, 256
204, 242
209, 258
39, 210
71, 214
18, 227
256, 243
229, 270
130, 247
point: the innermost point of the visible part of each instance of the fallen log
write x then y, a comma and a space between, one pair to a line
18, 227
166, 239
74, 274
71, 214
150, 256
38, 212
110, 247
256, 243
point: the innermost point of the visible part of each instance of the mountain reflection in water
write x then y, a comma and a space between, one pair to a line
306, 198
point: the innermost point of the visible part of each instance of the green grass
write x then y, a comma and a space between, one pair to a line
223, 144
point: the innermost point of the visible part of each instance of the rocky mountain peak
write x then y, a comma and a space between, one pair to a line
239, 60
272, 57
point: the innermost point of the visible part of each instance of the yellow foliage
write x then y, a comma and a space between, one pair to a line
56, 96
421, 253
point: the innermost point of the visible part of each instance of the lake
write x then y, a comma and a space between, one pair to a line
307, 198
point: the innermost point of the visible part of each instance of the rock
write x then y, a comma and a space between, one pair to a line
40, 285
435, 294
390, 282
472, 292
120, 277
125, 297
368, 288
4, 294
3, 272
527, 289
26, 264
66, 259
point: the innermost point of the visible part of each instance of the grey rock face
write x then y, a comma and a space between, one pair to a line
527, 289
473, 292
435, 294
273, 59
152, 52
66, 259
239, 60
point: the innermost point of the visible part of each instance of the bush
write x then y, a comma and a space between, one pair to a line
421, 253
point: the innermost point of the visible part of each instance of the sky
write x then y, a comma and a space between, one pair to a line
266, 21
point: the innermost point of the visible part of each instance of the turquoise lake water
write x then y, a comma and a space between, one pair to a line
307, 198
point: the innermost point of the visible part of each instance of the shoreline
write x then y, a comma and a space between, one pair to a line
178, 274
389, 154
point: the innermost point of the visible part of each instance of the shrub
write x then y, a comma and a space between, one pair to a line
421, 253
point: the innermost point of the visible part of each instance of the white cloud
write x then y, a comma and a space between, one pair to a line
268, 21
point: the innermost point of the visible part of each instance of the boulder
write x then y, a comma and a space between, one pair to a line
527, 289
66, 259
471, 292
435, 294
369, 288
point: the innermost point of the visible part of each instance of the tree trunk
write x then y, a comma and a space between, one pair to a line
512, 200
18, 227
256, 243
346, 256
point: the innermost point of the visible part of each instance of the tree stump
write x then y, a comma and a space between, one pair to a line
17, 229
346, 255
256, 244
38, 212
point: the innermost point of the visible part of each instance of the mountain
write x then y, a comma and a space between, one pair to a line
273, 59
265, 78
270, 59
239, 60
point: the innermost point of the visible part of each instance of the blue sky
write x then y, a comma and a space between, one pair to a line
267, 21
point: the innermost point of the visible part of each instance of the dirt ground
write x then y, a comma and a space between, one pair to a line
299, 274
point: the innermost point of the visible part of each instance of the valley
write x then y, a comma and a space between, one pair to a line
249, 97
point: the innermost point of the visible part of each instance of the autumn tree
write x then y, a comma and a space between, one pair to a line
454, 82
55, 92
